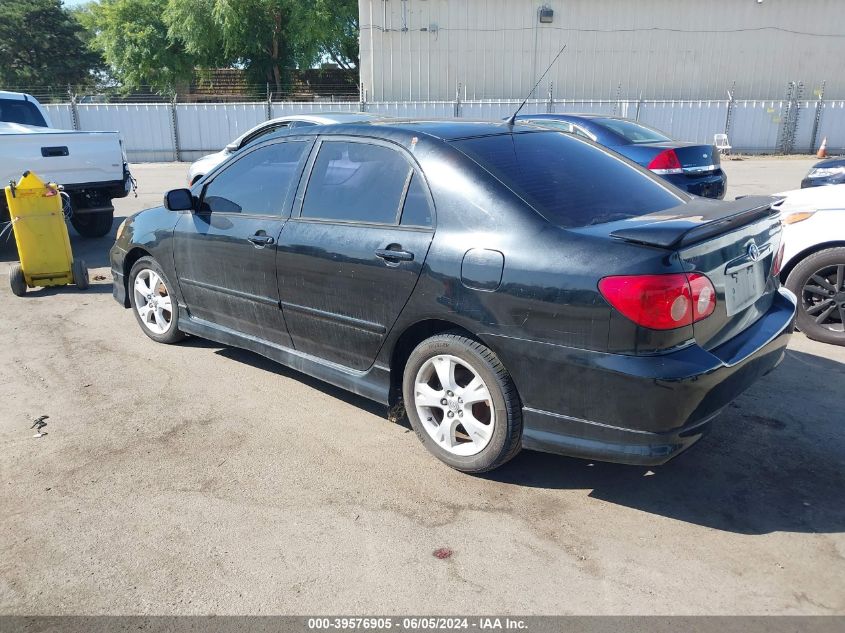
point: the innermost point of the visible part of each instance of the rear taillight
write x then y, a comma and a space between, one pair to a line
661, 302
666, 162
778, 261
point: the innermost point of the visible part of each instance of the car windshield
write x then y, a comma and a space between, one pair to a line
632, 132
570, 182
19, 111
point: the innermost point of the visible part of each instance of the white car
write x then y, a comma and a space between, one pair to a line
205, 164
813, 265
91, 166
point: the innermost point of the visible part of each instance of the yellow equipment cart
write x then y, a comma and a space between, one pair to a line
46, 259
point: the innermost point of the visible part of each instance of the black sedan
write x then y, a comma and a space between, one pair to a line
484, 275
693, 167
826, 172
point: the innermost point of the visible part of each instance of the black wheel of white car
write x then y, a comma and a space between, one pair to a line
819, 283
153, 303
92, 224
462, 403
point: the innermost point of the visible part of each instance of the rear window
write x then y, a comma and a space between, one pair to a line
23, 112
632, 132
570, 182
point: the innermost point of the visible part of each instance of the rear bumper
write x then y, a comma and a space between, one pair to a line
711, 186
638, 409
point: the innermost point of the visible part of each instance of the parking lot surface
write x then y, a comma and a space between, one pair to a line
198, 478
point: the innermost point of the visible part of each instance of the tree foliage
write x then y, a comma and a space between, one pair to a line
133, 38
161, 43
42, 44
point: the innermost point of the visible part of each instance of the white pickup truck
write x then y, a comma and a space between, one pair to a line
91, 166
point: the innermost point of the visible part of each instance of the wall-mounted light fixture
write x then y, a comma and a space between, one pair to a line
547, 15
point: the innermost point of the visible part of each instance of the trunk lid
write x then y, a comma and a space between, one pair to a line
733, 243
696, 160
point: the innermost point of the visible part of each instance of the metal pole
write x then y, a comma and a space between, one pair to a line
639, 103
74, 113
458, 100
174, 127
550, 107
819, 106
729, 114
363, 97
269, 102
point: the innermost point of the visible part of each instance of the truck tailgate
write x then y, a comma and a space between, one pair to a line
62, 156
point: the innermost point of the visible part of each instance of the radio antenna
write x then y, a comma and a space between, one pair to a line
512, 118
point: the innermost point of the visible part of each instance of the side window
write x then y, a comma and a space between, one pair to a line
416, 211
257, 184
580, 132
552, 124
264, 132
356, 182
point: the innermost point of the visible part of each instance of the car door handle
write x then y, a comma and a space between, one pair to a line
261, 240
389, 255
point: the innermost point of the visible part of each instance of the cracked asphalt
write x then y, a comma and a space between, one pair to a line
198, 479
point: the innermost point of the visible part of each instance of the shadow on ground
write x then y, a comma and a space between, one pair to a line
761, 469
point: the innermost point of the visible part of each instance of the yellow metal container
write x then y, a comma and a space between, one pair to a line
46, 259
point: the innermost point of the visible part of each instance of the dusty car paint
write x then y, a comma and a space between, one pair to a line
592, 382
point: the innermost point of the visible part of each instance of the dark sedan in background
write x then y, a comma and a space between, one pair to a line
693, 167
513, 286
826, 172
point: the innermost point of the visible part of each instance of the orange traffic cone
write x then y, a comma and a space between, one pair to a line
822, 153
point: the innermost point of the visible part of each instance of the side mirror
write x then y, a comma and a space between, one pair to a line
231, 148
179, 200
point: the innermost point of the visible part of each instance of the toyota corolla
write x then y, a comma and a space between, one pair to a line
514, 287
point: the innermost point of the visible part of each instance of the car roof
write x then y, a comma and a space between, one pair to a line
328, 118
567, 116
18, 96
441, 129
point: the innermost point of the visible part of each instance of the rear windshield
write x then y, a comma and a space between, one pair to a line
570, 182
632, 132
23, 112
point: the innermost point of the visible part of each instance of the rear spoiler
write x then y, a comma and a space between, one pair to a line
696, 220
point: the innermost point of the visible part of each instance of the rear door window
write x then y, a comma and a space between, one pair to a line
568, 181
631, 131
258, 183
356, 182
19, 111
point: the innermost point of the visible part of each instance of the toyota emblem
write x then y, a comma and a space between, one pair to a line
753, 251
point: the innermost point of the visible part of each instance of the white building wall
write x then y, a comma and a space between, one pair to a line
658, 49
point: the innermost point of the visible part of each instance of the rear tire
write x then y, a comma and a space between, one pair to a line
819, 283
93, 224
479, 427
17, 281
80, 274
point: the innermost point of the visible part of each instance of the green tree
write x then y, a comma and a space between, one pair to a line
133, 39
41, 44
259, 35
333, 28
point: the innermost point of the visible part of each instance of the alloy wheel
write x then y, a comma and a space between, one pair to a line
454, 405
823, 297
152, 301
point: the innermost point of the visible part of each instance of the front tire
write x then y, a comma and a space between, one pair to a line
153, 303
93, 224
462, 403
819, 283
